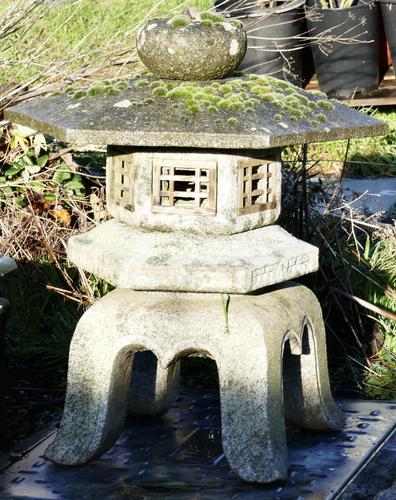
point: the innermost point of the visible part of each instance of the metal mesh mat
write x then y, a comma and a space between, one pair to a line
180, 456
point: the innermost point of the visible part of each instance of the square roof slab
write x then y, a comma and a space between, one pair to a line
128, 257
245, 112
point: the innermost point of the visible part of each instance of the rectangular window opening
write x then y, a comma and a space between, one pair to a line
184, 187
121, 172
256, 180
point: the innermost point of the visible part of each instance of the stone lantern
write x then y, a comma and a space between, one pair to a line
199, 265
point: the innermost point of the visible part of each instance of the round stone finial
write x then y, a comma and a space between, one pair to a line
192, 46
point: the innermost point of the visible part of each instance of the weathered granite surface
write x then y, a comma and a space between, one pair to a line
191, 52
246, 335
121, 120
143, 260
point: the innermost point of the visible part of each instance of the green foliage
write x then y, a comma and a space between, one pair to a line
378, 260
380, 378
90, 32
368, 157
41, 323
357, 280
28, 172
377, 284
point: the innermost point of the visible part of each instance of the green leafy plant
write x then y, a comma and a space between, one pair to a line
27, 170
380, 378
356, 282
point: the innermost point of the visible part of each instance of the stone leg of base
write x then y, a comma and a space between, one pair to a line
252, 417
307, 396
245, 335
152, 389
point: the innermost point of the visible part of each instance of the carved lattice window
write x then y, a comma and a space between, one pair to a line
184, 186
256, 186
120, 172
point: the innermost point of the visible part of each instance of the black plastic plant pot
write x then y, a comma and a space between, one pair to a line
388, 12
274, 38
345, 48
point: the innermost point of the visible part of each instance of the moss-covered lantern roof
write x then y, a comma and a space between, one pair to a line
241, 112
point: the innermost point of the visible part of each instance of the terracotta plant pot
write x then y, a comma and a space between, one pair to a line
388, 12
191, 50
273, 45
345, 48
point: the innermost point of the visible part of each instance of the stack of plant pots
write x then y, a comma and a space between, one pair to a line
388, 12
344, 43
343, 35
275, 37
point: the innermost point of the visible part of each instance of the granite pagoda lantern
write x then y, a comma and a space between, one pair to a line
199, 265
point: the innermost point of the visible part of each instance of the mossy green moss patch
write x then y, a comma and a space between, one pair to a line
209, 19
105, 87
212, 16
179, 21
240, 95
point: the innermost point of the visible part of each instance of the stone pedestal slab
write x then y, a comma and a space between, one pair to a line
247, 336
130, 258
